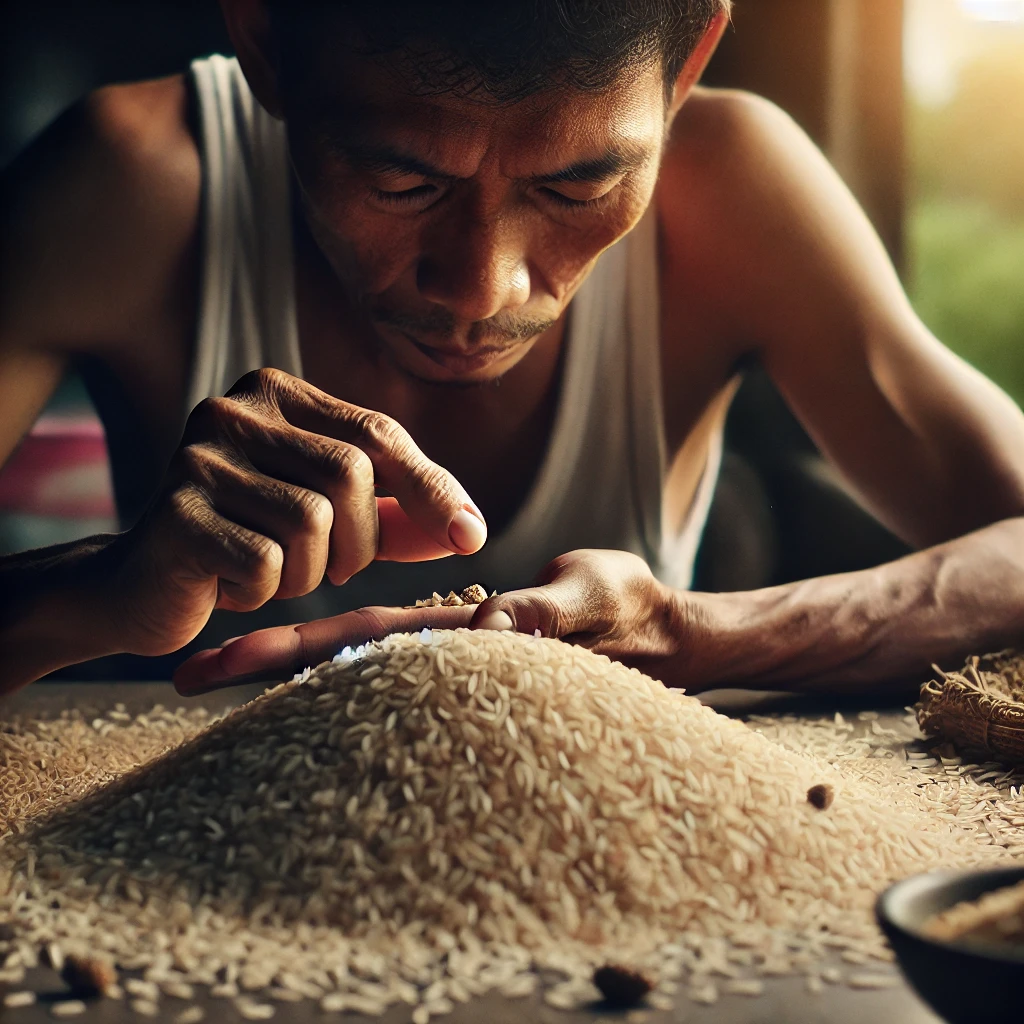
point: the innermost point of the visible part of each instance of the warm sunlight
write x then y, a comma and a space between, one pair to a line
965, 226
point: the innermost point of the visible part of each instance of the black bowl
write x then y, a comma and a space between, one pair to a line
963, 983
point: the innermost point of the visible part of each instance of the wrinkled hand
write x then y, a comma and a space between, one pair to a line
607, 601
273, 487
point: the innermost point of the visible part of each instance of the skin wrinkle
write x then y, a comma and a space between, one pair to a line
383, 159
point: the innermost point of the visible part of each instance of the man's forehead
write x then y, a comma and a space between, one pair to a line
366, 103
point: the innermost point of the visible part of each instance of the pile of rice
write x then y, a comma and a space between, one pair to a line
44, 764
449, 812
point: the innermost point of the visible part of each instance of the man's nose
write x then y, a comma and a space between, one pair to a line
475, 270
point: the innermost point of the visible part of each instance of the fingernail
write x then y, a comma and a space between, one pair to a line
495, 620
467, 532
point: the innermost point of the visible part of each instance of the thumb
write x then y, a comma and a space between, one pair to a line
557, 609
403, 539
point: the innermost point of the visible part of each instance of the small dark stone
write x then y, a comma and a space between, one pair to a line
88, 976
821, 796
622, 986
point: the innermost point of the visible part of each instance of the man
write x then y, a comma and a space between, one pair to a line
454, 175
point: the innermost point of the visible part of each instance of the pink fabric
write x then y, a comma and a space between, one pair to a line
60, 469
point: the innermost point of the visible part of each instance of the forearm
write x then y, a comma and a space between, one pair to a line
878, 629
52, 610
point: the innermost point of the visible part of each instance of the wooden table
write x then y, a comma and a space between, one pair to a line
785, 1000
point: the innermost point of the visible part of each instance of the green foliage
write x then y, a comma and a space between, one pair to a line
965, 229
967, 283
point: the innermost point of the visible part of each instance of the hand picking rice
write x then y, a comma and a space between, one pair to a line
442, 813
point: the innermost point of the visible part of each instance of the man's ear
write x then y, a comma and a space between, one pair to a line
697, 61
248, 24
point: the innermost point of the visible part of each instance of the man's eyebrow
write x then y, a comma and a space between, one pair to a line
385, 158
614, 162
600, 168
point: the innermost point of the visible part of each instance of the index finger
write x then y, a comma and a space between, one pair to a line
277, 653
431, 496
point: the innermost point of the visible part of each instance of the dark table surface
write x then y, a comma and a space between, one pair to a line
785, 1000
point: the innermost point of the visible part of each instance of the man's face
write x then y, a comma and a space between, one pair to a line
462, 229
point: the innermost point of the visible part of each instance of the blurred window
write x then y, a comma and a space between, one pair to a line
965, 217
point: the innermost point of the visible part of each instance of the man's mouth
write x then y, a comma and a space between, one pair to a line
459, 362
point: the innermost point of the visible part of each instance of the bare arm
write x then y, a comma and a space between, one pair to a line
97, 223
782, 264
933, 448
878, 630
98, 251
53, 611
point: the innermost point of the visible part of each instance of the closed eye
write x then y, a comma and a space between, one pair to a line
560, 199
405, 196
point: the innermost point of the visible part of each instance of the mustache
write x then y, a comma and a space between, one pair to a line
505, 327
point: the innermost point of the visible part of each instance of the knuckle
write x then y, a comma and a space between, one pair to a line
383, 432
549, 613
197, 463
220, 409
263, 381
577, 557
268, 376
313, 512
435, 484
553, 570
209, 415
187, 503
257, 556
373, 621
349, 464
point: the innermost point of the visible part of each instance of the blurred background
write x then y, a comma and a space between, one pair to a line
918, 103
965, 216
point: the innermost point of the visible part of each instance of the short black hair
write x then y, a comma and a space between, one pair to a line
504, 50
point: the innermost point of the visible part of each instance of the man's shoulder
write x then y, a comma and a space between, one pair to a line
142, 135
744, 198
746, 207
105, 202
713, 117
709, 204
726, 148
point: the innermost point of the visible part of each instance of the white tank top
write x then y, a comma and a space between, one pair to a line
602, 478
